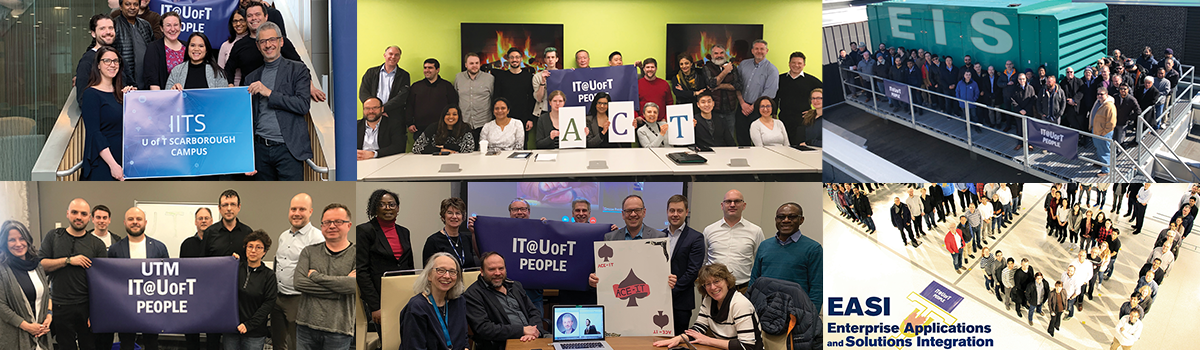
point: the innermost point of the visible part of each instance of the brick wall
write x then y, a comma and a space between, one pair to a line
1130, 28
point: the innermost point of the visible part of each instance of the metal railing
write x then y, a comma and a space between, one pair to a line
1126, 165
62, 156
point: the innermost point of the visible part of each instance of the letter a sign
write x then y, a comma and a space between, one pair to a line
620, 126
681, 132
572, 126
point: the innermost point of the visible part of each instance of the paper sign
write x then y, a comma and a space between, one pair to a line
620, 126
633, 287
572, 127
682, 131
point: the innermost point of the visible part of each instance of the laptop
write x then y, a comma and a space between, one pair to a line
579, 327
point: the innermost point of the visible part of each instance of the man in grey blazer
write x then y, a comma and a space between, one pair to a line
280, 90
389, 83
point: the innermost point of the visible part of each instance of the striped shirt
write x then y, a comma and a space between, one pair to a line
734, 321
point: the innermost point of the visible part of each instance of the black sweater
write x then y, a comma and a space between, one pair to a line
257, 290
465, 243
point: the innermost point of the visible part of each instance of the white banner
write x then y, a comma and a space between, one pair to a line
620, 126
682, 131
633, 287
572, 127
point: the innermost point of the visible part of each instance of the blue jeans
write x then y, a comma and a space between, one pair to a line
275, 163
1108, 273
977, 238
1031, 309
240, 342
1009, 211
1102, 151
870, 223
1071, 306
311, 339
957, 257
1103, 195
996, 223
988, 281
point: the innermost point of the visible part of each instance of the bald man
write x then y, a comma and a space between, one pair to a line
67, 253
733, 240
135, 245
300, 234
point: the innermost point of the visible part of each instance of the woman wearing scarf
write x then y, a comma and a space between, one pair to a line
689, 82
24, 292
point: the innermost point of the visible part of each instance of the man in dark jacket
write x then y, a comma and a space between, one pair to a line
498, 308
1022, 101
882, 70
396, 93
912, 77
1127, 108
378, 136
948, 76
1073, 91
1036, 294
864, 210
280, 91
937, 197
1147, 97
899, 73
1051, 102
135, 226
1023, 278
686, 259
902, 220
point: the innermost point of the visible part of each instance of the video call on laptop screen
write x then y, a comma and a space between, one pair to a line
578, 323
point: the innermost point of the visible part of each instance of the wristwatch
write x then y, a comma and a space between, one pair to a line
68, 260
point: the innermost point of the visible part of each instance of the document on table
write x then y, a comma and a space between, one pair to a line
546, 157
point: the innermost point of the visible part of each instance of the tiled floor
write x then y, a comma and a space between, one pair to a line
859, 264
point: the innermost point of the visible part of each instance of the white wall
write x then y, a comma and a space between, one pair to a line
419, 206
762, 199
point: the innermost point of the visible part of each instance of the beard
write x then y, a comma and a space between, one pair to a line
78, 228
137, 233
720, 61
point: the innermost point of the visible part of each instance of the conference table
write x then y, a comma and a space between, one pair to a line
617, 343
638, 163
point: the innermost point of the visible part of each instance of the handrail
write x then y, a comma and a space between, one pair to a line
846, 77
66, 133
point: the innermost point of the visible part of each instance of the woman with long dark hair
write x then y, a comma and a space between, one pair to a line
599, 122
24, 292
689, 82
102, 118
500, 133
238, 28
201, 70
449, 135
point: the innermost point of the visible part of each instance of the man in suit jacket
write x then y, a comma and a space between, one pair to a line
280, 90
902, 220
149, 248
385, 137
1147, 97
393, 93
686, 250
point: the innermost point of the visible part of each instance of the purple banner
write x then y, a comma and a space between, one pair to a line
542, 254
1057, 139
210, 17
582, 84
896, 91
193, 295
941, 296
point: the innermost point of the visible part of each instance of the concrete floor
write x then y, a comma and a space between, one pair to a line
880, 265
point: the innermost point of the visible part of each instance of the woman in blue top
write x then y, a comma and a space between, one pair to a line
436, 318
102, 118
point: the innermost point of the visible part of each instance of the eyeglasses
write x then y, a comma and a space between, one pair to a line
269, 40
633, 210
110, 61
334, 222
732, 201
373, 108
787, 217
445, 272
519, 209
258, 248
389, 205
710, 284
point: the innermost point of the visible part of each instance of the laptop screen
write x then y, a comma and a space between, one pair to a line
578, 323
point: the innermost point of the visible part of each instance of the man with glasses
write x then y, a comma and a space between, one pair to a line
291, 243
280, 100
225, 238
246, 56
633, 211
325, 277
378, 136
193, 247
791, 256
515, 84
733, 240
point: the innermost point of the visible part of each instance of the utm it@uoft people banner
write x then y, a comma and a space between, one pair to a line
542, 254
582, 84
198, 132
210, 17
193, 295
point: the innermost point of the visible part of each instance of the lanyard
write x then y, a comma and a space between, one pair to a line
454, 248
442, 321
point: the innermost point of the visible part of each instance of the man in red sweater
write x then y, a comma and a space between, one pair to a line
652, 89
954, 244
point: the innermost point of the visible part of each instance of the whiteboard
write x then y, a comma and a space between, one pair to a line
172, 223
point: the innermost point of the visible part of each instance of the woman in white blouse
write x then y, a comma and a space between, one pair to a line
500, 133
654, 132
767, 131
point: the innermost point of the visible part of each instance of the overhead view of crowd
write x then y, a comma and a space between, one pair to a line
511, 109
1105, 100
136, 48
728, 262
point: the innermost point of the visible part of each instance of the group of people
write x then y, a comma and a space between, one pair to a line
307, 297
1105, 101
721, 262
135, 48
512, 109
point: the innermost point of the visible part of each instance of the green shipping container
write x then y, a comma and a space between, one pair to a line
1055, 33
